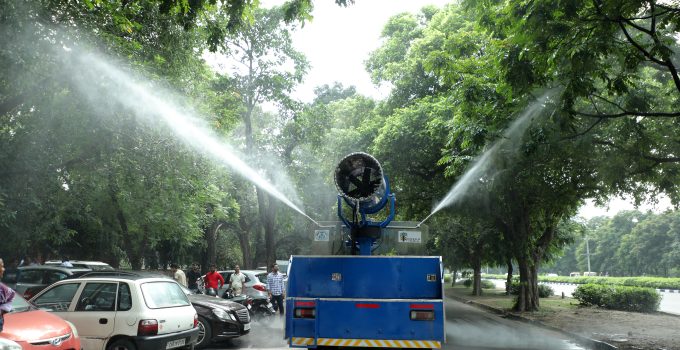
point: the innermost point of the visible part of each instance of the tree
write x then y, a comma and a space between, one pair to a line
261, 52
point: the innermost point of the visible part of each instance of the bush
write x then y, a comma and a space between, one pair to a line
624, 298
543, 290
447, 278
485, 284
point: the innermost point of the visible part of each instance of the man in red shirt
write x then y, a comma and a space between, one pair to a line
213, 281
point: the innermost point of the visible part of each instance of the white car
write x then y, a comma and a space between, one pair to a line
83, 264
125, 312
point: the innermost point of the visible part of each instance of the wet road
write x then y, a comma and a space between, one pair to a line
467, 328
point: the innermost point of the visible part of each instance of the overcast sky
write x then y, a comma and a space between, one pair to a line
340, 39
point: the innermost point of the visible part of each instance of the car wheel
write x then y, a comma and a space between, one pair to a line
121, 344
204, 332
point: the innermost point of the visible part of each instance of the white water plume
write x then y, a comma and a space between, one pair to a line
145, 102
483, 166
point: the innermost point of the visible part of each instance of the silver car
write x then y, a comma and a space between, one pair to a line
255, 286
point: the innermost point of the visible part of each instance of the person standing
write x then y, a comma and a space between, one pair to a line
6, 297
213, 281
276, 288
236, 281
178, 275
192, 278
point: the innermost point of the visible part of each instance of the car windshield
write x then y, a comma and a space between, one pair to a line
19, 304
158, 295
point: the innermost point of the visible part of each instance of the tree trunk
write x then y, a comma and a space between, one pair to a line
508, 280
527, 300
453, 277
477, 277
244, 241
210, 234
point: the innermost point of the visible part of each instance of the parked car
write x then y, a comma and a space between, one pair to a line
255, 286
124, 312
83, 264
218, 319
32, 279
28, 328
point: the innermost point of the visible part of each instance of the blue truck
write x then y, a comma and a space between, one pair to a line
359, 299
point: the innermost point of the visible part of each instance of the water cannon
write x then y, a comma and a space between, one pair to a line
363, 186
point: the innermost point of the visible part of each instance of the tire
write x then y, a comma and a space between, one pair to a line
121, 344
204, 333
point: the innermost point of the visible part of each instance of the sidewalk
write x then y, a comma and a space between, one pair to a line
593, 327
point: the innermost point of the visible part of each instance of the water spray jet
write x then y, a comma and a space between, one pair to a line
142, 101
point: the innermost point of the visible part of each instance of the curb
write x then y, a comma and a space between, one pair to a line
588, 342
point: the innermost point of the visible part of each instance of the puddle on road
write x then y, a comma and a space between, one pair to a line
492, 335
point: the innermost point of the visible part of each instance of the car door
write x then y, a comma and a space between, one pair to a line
57, 299
94, 313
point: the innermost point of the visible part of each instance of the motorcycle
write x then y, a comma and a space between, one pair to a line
260, 309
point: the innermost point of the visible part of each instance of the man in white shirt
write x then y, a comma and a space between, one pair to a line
236, 281
178, 275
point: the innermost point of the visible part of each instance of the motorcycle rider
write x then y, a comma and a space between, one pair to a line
213, 281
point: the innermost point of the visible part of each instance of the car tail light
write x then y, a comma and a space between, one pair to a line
148, 327
260, 287
422, 315
195, 320
305, 313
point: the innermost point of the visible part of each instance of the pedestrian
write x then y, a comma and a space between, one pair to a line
192, 278
213, 281
236, 281
178, 275
6, 297
276, 288
65, 262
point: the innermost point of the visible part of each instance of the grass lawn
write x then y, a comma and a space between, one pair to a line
497, 298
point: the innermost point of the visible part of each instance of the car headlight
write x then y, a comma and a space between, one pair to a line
223, 315
6, 344
73, 329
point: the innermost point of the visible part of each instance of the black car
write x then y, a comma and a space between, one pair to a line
218, 319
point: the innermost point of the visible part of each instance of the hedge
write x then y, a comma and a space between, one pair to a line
650, 282
624, 298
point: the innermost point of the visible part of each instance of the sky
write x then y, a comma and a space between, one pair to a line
339, 40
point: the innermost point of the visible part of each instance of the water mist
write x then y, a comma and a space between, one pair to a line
483, 166
145, 101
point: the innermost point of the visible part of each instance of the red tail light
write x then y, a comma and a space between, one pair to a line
195, 320
305, 313
148, 327
260, 287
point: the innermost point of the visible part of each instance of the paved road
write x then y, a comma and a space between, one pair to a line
467, 328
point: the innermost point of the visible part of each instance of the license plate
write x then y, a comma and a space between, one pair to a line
246, 326
175, 343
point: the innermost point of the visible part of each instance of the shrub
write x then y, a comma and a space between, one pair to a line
618, 297
590, 294
447, 278
486, 284
543, 290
